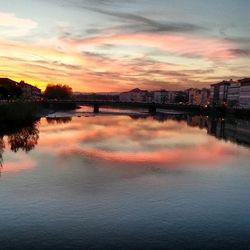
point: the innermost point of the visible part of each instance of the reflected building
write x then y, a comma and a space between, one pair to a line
197, 121
229, 128
234, 130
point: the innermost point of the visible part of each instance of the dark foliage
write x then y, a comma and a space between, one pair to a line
60, 92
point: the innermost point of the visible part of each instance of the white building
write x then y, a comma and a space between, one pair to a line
219, 92
233, 95
244, 98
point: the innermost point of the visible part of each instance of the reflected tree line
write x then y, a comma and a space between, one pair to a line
18, 138
23, 137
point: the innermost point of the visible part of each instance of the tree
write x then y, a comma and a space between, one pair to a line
25, 138
58, 92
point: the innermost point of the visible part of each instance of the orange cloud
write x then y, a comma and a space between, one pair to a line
64, 61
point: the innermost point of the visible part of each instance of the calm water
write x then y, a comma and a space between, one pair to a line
125, 182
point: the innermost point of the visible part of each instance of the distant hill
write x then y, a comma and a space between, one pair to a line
96, 93
9, 89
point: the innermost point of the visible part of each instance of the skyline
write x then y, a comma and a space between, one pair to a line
98, 46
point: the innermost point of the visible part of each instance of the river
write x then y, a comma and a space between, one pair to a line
125, 180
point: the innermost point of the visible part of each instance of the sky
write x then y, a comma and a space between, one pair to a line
115, 45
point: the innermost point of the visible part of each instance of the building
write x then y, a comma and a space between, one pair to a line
9, 89
233, 95
172, 96
160, 96
29, 91
244, 97
198, 96
180, 97
134, 95
194, 96
205, 97
219, 92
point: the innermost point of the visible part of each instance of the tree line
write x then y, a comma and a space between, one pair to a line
11, 90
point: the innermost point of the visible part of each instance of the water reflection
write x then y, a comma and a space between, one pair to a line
58, 120
114, 138
18, 137
24, 139
2, 146
234, 130
227, 128
140, 180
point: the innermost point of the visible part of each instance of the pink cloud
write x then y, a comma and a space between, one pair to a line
12, 166
209, 48
165, 157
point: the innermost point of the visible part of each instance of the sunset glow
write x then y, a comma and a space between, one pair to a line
98, 46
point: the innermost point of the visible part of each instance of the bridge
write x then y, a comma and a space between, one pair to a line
151, 107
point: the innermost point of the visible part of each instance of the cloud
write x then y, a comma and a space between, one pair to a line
93, 71
18, 166
241, 52
141, 23
168, 158
177, 44
134, 23
13, 26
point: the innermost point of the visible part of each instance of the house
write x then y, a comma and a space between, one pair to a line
29, 91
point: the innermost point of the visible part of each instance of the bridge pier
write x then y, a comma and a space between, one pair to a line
152, 110
96, 108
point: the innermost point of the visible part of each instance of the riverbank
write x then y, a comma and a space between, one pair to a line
21, 112
18, 111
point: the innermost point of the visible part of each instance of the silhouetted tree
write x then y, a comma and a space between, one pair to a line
58, 92
25, 138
